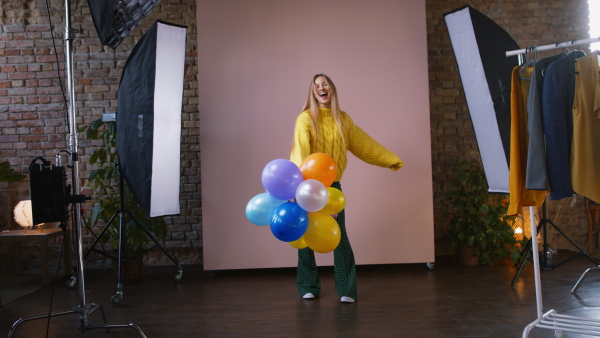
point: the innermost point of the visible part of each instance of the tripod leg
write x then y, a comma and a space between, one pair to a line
524, 255
92, 248
573, 242
522, 259
154, 240
40, 316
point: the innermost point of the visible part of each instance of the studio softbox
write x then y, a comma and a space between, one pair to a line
148, 120
480, 47
115, 19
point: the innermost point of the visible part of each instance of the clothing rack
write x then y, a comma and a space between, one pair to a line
557, 45
551, 319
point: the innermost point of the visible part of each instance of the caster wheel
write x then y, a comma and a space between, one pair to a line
115, 300
178, 276
558, 334
71, 283
430, 266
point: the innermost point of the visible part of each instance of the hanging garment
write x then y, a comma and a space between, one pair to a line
519, 196
585, 149
557, 120
537, 176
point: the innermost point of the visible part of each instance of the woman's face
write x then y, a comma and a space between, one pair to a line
322, 92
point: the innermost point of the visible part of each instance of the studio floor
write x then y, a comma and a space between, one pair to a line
407, 300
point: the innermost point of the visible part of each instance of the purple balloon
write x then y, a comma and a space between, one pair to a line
280, 178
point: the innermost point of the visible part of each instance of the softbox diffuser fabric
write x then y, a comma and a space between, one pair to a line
149, 118
115, 19
480, 47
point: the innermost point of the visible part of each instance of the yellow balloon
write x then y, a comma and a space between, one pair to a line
336, 202
299, 243
323, 234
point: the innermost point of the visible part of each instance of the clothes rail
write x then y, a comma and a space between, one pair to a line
551, 319
554, 46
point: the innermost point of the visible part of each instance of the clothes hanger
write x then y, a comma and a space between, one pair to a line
528, 63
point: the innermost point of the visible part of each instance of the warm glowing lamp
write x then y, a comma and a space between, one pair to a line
24, 216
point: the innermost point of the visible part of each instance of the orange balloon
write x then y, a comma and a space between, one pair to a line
320, 167
323, 234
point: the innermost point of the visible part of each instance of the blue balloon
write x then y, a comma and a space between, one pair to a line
280, 178
260, 208
289, 222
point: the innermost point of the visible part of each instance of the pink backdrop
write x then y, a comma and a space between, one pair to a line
256, 59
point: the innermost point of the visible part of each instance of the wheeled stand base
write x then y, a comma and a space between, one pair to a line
83, 312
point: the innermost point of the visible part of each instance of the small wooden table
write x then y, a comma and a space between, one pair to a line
17, 236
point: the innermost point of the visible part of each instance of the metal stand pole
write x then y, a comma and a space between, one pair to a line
83, 309
544, 263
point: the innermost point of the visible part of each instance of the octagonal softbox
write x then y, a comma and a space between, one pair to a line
480, 46
149, 118
115, 19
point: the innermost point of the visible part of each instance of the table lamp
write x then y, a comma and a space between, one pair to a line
23, 216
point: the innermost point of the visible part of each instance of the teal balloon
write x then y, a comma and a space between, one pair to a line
289, 222
261, 207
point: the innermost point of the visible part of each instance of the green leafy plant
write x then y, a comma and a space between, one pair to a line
6, 173
479, 218
106, 200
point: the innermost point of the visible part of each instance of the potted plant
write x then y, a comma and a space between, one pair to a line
6, 173
106, 200
479, 224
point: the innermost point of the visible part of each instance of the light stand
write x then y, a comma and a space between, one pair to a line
122, 251
84, 310
544, 262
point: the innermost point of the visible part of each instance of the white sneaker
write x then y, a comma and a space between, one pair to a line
309, 296
347, 300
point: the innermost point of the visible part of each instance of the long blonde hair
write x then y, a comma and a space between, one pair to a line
312, 105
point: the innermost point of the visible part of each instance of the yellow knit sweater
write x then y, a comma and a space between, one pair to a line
358, 143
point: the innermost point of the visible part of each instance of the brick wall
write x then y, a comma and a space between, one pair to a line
33, 119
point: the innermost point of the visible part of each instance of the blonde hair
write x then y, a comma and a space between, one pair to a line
312, 106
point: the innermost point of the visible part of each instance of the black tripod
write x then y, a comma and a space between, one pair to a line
122, 252
547, 263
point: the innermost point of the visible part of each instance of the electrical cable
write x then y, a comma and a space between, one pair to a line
57, 65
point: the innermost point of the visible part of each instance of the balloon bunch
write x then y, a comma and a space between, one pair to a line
299, 205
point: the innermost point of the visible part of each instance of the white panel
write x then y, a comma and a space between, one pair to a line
479, 99
168, 98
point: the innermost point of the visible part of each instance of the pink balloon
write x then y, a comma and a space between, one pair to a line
311, 195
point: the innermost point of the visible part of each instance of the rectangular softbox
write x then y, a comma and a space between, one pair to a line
149, 118
115, 19
480, 47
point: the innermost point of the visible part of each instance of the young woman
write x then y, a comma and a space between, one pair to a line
322, 127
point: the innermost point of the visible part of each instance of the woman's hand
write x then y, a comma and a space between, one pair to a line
397, 166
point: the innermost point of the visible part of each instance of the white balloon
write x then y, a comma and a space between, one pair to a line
311, 195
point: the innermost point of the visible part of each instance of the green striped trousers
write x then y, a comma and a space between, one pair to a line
307, 276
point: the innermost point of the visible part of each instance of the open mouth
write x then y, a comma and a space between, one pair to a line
323, 95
